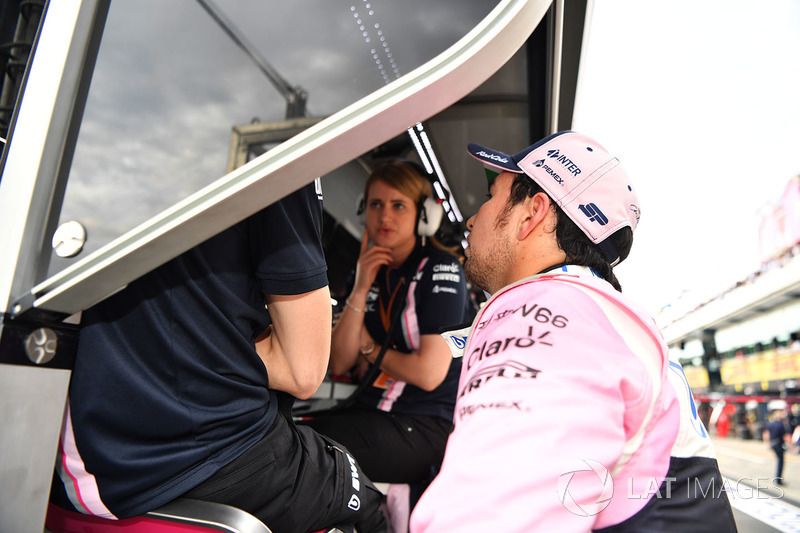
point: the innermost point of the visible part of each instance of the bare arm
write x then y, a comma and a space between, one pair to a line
296, 351
345, 342
425, 368
346, 335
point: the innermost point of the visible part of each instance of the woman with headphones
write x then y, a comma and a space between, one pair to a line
407, 291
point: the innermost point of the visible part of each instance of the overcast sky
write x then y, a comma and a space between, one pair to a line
169, 85
700, 100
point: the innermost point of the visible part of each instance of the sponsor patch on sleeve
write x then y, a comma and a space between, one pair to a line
457, 341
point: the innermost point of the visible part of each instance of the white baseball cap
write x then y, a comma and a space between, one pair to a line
581, 178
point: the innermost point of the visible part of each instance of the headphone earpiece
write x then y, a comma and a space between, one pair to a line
431, 213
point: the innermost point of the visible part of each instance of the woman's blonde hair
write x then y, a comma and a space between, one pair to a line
406, 177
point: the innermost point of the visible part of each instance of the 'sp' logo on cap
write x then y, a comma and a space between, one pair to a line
593, 213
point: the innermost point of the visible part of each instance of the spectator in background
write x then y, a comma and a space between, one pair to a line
775, 435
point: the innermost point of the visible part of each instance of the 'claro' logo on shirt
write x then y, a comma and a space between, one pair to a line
488, 349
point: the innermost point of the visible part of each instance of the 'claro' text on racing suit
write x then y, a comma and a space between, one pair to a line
570, 417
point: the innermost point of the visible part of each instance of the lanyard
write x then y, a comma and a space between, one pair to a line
386, 311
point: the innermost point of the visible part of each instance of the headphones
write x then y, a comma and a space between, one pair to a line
429, 217
429, 211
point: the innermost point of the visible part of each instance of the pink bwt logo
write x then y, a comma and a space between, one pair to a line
603, 480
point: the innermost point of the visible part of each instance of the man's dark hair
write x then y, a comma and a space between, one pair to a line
575, 244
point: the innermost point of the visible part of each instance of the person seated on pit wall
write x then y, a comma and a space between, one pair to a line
570, 416
397, 425
170, 397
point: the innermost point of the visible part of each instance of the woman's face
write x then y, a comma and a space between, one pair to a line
390, 216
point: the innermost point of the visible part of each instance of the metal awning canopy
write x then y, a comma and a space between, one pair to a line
316, 151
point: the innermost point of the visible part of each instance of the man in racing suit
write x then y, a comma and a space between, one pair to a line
569, 415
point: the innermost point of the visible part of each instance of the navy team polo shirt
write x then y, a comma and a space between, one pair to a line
436, 301
167, 386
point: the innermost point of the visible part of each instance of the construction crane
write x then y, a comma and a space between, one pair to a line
295, 96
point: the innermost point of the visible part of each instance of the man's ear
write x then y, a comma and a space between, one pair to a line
536, 210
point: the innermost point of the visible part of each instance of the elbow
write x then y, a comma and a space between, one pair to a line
430, 382
427, 387
305, 380
306, 386
305, 391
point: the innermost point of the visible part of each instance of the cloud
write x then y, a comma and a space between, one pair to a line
169, 85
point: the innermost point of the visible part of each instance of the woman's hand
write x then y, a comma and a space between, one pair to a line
370, 260
345, 344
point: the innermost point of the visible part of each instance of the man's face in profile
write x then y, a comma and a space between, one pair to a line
489, 250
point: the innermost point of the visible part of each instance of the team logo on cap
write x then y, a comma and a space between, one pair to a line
541, 164
493, 157
565, 161
593, 213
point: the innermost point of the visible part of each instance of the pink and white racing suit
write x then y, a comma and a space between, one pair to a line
570, 417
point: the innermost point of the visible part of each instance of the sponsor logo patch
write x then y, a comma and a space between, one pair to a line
636, 212
459, 341
469, 410
487, 349
547, 168
565, 161
453, 268
536, 312
493, 157
505, 370
354, 503
437, 289
354, 473
593, 213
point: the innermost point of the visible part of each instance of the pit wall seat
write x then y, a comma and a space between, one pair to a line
179, 516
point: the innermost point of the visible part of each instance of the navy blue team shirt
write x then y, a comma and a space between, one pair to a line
436, 301
167, 386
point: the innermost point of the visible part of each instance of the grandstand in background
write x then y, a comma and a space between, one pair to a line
741, 348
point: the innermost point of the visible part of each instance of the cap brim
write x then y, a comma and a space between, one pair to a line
494, 159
